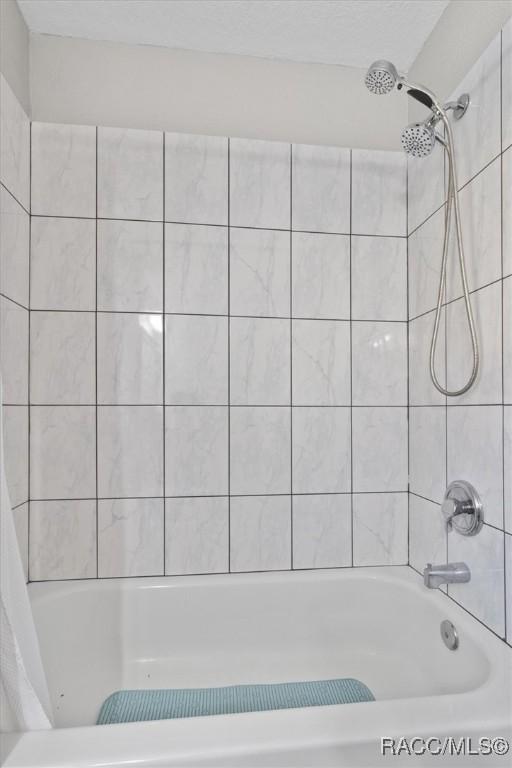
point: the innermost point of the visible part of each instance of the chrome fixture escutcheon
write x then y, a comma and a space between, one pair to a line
462, 508
449, 635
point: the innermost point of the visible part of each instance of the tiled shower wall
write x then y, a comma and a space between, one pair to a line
14, 302
468, 437
218, 381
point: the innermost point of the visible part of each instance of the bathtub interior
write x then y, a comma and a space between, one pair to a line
377, 625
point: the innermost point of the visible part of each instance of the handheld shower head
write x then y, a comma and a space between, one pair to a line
381, 77
419, 139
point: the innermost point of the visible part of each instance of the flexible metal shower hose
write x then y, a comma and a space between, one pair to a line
453, 202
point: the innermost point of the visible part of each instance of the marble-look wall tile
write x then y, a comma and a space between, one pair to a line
506, 87
15, 426
62, 358
508, 587
196, 451
197, 535
427, 452
130, 451
320, 188
63, 264
426, 186
507, 463
480, 210
130, 259
379, 181
475, 453
507, 211
20, 517
425, 257
259, 184
477, 136
259, 273
421, 388
321, 362
320, 276
260, 361
260, 450
63, 170
130, 174
379, 363
130, 359
379, 278
427, 533
130, 537
484, 595
196, 269
196, 360
260, 533
14, 145
321, 450
322, 531
507, 340
486, 305
62, 452
196, 179
379, 449
62, 540
380, 528
14, 249
14, 352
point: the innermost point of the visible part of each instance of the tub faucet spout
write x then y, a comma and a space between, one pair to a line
450, 573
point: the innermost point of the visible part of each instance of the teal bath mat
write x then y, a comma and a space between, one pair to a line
135, 706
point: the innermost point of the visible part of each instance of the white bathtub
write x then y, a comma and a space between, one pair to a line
379, 625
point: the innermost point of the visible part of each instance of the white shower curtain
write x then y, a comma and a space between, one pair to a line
23, 682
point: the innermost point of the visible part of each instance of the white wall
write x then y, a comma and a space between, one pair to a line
14, 51
461, 35
102, 83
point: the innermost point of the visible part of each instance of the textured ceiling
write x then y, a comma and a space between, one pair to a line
321, 31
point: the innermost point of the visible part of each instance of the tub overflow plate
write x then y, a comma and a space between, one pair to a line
449, 635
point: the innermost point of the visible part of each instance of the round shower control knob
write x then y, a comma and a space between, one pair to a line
462, 508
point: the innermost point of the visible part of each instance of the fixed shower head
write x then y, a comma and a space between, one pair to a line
419, 139
381, 77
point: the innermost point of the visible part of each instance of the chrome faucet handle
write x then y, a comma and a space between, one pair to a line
452, 507
449, 510
462, 509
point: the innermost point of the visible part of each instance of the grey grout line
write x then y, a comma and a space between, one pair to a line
226, 495
351, 329
290, 309
29, 367
11, 194
96, 352
164, 267
458, 298
214, 315
460, 188
10, 299
505, 567
220, 226
408, 365
229, 351
222, 405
